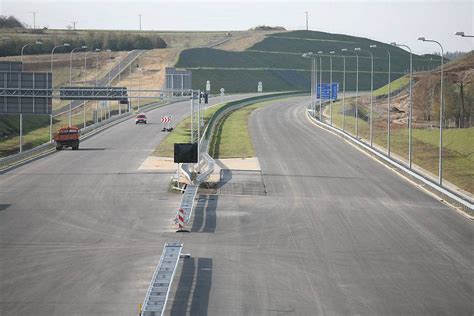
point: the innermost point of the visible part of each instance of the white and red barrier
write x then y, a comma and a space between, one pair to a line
180, 219
166, 119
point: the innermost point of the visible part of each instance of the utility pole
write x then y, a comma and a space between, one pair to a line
307, 28
74, 25
140, 21
34, 20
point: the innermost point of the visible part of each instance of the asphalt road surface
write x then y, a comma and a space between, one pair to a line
82, 231
336, 233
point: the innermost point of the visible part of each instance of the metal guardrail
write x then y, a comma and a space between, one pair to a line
156, 297
25, 155
187, 201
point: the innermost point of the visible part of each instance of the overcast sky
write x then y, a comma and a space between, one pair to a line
397, 20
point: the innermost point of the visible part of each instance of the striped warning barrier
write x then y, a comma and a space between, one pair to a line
180, 219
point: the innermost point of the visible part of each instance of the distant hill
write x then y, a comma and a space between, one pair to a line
267, 28
277, 62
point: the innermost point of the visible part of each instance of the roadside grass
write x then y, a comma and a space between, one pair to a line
232, 138
181, 133
277, 62
458, 146
394, 85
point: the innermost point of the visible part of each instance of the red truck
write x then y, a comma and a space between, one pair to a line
67, 137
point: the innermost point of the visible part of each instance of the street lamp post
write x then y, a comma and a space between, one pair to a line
388, 101
110, 67
23, 48
344, 89
130, 105
441, 112
315, 84
371, 91
85, 66
330, 87
139, 92
410, 110
70, 79
85, 75
320, 83
109, 83
52, 53
371, 95
357, 92
312, 83
51, 116
312, 79
70, 62
97, 51
21, 115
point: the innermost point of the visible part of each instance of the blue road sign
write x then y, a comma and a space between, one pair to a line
323, 91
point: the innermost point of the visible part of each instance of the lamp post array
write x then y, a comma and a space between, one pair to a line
410, 112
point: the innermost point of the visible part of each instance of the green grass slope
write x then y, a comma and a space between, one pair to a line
281, 52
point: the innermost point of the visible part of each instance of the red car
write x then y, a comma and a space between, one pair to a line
140, 119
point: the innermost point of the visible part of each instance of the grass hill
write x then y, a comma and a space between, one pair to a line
277, 62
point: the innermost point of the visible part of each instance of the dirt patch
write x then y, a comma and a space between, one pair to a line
150, 67
158, 164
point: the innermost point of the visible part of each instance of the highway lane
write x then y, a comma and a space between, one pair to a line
337, 234
82, 231
375, 244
